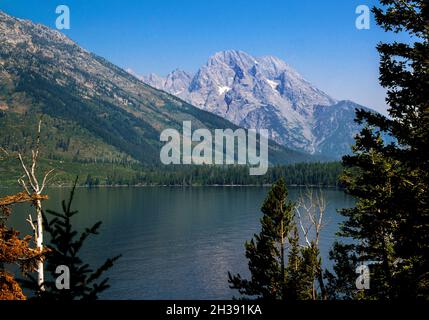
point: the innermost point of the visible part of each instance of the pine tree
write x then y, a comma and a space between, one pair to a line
266, 252
65, 245
308, 273
293, 275
390, 222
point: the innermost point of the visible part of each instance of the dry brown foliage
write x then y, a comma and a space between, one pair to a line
14, 249
21, 198
9, 288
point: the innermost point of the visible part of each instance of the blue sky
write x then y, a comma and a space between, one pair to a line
318, 38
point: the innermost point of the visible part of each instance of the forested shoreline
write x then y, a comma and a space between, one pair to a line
108, 175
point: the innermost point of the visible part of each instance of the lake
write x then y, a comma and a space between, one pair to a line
176, 243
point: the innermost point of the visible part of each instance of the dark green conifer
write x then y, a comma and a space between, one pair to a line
65, 248
266, 252
390, 223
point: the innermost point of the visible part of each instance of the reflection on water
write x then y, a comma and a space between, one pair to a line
177, 243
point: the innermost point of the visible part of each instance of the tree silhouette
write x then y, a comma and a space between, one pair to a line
390, 222
272, 277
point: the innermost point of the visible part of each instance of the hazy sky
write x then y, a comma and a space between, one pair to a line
318, 38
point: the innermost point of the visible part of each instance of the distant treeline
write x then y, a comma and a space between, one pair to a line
323, 174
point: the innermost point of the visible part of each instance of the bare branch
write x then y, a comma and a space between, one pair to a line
313, 206
305, 231
44, 179
31, 222
24, 185
27, 173
33, 168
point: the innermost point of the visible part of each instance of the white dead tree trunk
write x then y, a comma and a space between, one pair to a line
310, 210
30, 183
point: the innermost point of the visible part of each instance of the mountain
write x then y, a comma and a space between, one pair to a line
265, 92
92, 109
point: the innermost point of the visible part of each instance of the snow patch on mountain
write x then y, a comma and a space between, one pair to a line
223, 89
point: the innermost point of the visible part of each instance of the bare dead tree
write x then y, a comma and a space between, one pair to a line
32, 186
310, 210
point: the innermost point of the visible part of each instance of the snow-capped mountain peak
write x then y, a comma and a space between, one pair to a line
261, 92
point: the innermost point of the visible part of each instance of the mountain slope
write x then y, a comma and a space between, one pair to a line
266, 93
116, 115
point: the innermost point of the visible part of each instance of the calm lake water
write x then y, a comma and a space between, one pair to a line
176, 243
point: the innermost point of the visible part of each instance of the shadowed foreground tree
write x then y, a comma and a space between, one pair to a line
65, 247
272, 277
389, 224
266, 252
